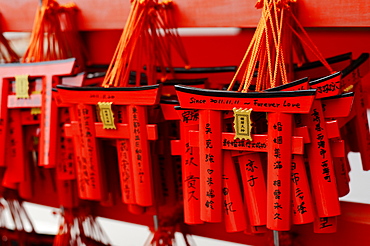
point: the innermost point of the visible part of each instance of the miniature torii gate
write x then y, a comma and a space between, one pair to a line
47, 71
235, 220
25, 95
351, 81
320, 157
280, 106
187, 147
130, 128
322, 171
327, 86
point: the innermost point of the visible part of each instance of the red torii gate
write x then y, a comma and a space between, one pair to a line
280, 106
47, 71
130, 128
187, 147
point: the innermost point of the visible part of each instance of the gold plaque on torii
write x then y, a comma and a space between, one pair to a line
21, 86
106, 115
243, 124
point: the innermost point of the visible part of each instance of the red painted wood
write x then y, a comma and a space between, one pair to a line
284, 102
337, 148
210, 161
91, 184
321, 164
303, 209
331, 106
125, 164
126, 172
342, 175
97, 15
279, 158
132, 133
327, 86
361, 127
140, 155
354, 221
190, 164
67, 193
121, 131
26, 189
259, 143
16, 153
325, 224
46, 70
190, 173
120, 96
65, 165
254, 186
234, 216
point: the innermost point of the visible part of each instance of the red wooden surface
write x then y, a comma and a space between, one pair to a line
102, 21
254, 193
46, 70
279, 158
98, 15
226, 48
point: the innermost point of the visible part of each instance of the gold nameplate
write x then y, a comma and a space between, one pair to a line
106, 115
21, 86
242, 124
35, 111
348, 89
